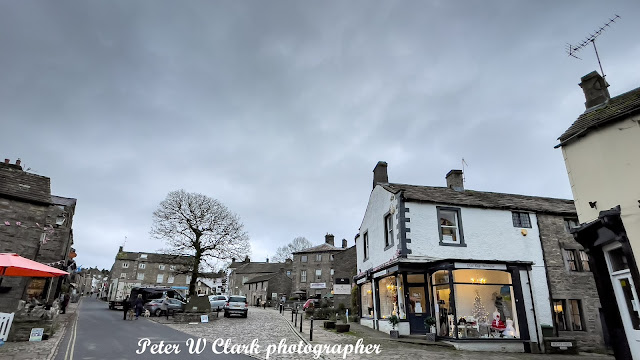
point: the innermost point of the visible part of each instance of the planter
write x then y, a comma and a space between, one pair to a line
329, 324
394, 334
431, 337
342, 327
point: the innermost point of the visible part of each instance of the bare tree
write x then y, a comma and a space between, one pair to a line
197, 225
286, 252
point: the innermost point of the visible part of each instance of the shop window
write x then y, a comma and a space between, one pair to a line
388, 292
576, 315
388, 230
521, 219
366, 299
449, 226
36, 288
559, 318
484, 305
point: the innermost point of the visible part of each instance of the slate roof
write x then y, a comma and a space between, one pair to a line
482, 199
616, 108
260, 278
154, 257
260, 267
320, 248
59, 200
22, 185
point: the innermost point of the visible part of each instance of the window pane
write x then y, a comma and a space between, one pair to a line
524, 220
558, 315
444, 312
401, 308
486, 311
481, 276
630, 299
448, 218
366, 296
584, 258
449, 234
388, 297
441, 277
571, 260
515, 217
618, 259
576, 320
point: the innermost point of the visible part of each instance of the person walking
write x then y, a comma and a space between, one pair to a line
65, 302
139, 304
126, 305
164, 307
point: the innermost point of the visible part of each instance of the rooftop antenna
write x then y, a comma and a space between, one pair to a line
572, 50
463, 164
125, 242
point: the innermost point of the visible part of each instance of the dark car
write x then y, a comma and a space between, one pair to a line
154, 306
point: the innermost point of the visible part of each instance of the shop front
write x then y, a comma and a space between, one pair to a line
469, 300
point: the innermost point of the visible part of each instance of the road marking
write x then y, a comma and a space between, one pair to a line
72, 340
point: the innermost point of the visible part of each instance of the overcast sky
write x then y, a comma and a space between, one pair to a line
281, 109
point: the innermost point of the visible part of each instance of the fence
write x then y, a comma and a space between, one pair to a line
5, 325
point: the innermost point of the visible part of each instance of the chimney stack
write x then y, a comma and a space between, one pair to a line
7, 161
267, 260
454, 180
595, 90
329, 239
120, 250
344, 243
380, 174
18, 162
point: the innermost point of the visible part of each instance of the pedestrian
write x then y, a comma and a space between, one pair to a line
139, 305
65, 302
126, 305
164, 307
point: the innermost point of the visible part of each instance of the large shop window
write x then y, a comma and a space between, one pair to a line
484, 304
366, 299
388, 291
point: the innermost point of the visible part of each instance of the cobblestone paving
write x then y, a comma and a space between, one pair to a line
39, 350
269, 327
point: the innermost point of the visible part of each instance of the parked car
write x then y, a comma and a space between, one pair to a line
155, 305
236, 305
217, 302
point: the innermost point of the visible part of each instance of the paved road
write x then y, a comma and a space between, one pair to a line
100, 333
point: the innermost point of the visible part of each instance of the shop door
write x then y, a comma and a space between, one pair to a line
626, 295
417, 309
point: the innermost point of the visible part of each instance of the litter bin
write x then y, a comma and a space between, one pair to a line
547, 331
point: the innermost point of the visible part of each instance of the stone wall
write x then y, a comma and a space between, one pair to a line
21, 239
565, 284
345, 264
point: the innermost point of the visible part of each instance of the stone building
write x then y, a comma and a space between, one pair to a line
151, 269
216, 281
269, 287
313, 269
241, 272
345, 268
577, 312
38, 226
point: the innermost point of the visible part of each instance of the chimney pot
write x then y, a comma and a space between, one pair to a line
18, 162
454, 180
595, 89
344, 243
7, 161
380, 174
329, 239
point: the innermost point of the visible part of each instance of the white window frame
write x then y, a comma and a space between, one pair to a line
171, 279
303, 276
304, 258
143, 256
142, 266
319, 257
140, 276
172, 267
318, 274
125, 265
123, 275
161, 267
160, 278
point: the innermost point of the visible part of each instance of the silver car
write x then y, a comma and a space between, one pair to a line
236, 305
217, 302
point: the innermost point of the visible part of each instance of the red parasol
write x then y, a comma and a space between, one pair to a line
16, 265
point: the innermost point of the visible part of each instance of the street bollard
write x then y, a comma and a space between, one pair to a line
301, 317
292, 315
311, 330
296, 323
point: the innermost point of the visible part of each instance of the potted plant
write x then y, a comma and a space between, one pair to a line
394, 321
331, 323
430, 323
344, 327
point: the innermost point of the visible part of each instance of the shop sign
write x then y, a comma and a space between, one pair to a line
342, 286
318, 285
460, 265
380, 273
564, 344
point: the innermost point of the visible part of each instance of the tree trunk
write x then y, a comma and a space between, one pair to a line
195, 274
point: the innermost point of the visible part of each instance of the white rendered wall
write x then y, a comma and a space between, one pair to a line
373, 224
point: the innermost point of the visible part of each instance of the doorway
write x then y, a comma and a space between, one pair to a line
417, 306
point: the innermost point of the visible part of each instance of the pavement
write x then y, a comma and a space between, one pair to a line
41, 350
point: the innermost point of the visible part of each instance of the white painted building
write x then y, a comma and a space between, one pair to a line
473, 260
